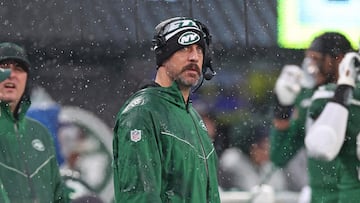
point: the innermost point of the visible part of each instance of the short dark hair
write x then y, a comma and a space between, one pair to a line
332, 43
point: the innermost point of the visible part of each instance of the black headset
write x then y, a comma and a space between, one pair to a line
160, 41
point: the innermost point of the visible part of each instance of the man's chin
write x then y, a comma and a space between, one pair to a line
5, 99
189, 82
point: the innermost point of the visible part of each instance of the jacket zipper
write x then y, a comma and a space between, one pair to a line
32, 190
205, 159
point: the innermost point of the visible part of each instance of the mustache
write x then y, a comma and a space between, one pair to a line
192, 67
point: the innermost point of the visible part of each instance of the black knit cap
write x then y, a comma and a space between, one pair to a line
331, 43
11, 51
174, 34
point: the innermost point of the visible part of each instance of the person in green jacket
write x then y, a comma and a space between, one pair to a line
335, 132
293, 90
161, 148
28, 167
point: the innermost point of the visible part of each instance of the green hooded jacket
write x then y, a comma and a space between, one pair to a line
28, 167
3, 194
162, 152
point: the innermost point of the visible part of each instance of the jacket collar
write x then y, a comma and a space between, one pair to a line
21, 110
176, 96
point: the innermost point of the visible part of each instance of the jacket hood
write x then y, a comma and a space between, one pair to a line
20, 110
171, 94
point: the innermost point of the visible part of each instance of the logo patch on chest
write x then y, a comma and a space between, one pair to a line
38, 145
135, 135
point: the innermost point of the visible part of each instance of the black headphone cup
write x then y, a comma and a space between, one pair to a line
157, 42
208, 72
159, 38
208, 75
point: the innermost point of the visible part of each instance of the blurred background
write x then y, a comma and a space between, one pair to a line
88, 56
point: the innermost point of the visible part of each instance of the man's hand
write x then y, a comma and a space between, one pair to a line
287, 88
348, 72
288, 84
349, 69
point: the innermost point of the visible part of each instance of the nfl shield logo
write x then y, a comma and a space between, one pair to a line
135, 135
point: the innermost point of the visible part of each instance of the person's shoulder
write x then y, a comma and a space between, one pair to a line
35, 126
321, 96
303, 100
35, 129
142, 99
151, 92
324, 92
32, 123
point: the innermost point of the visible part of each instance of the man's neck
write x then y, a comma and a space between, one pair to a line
13, 106
185, 91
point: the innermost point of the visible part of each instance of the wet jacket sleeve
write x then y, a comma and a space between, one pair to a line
284, 144
3, 194
137, 163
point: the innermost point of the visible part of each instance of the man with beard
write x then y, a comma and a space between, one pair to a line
161, 148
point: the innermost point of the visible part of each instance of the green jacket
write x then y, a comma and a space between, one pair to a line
3, 194
284, 144
348, 169
28, 168
162, 152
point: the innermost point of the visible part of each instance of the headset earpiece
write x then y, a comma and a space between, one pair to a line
209, 74
159, 37
158, 41
208, 71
